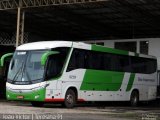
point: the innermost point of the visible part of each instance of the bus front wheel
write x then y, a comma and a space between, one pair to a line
37, 104
134, 98
70, 99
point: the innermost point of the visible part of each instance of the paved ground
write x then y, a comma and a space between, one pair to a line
104, 111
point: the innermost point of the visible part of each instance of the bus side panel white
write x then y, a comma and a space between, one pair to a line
53, 93
122, 94
82, 45
98, 95
152, 92
73, 78
51, 88
146, 84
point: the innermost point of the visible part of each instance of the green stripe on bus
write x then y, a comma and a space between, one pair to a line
130, 82
102, 80
109, 50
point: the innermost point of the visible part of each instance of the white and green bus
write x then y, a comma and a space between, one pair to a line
68, 72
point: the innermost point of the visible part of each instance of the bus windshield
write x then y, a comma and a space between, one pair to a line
26, 68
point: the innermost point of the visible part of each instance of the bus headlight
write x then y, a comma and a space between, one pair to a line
36, 88
40, 87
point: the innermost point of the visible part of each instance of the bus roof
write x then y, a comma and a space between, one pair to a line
42, 45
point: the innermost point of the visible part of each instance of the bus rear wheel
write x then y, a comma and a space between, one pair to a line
134, 99
37, 104
70, 99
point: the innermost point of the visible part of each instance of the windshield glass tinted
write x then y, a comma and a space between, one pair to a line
34, 69
26, 68
56, 62
15, 68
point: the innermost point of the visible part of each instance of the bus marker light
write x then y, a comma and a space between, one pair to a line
36, 97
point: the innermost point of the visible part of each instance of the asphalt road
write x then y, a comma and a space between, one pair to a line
23, 110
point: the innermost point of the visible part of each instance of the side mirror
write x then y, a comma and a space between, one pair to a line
4, 57
46, 55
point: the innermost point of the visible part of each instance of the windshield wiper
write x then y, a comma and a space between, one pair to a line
29, 79
19, 71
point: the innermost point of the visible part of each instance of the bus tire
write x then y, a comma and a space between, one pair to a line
37, 104
134, 98
70, 99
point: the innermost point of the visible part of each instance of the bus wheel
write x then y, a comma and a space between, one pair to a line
70, 99
37, 104
134, 99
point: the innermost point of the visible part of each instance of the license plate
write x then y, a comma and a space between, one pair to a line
20, 97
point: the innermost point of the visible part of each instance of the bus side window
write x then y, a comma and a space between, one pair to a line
53, 67
72, 62
77, 60
94, 60
107, 62
123, 63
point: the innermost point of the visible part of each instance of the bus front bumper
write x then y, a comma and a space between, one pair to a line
22, 95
